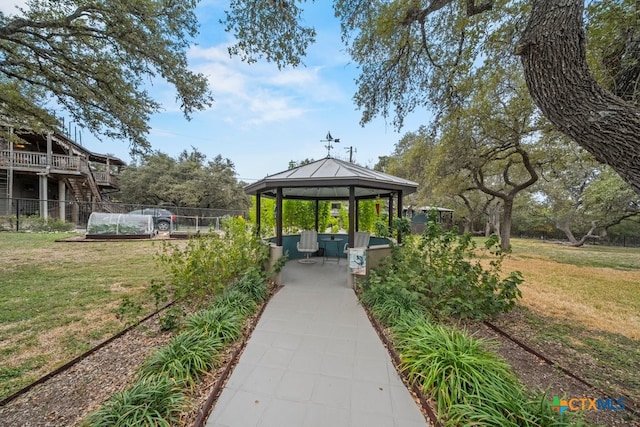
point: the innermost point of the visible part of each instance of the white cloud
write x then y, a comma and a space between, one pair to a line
260, 93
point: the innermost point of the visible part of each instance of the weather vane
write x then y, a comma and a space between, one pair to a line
329, 139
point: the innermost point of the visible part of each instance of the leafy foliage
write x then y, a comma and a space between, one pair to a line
240, 301
300, 214
188, 356
221, 321
447, 276
34, 223
95, 59
153, 401
390, 301
252, 284
470, 385
254, 23
209, 263
171, 319
187, 180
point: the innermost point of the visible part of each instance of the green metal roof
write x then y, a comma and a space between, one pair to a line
330, 179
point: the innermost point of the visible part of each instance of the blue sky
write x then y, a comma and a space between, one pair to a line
263, 117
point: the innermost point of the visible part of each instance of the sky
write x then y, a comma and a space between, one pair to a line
263, 118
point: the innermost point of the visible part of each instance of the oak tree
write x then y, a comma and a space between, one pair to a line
96, 59
411, 54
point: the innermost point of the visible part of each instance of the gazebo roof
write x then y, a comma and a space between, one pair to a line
330, 179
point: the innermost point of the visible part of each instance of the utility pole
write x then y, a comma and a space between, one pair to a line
351, 150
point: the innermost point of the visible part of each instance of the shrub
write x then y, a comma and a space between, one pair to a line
151, 401
253, 284
220, 321
39, 224
470, 384
209, 262
445, 270
242, 303
389, 300
187, 356
171, 319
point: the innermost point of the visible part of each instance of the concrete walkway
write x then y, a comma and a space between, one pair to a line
315, 360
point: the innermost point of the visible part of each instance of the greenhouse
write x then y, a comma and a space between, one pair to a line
119, 226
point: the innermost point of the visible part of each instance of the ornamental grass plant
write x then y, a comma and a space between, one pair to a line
442, 276
154, 401
186, 358
205, 334
469, 383
220, 321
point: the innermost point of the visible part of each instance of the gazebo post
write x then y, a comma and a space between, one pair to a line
258, 213
352, 215
399, 214
317, 215
391, 213
279, 216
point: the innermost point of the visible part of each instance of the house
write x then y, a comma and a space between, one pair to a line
52, 176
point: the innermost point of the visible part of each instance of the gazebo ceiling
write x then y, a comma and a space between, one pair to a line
330, 179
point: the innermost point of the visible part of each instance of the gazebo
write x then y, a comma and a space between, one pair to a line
331, 179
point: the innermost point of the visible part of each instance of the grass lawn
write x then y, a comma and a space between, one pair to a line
581, 306
58, 299
595, 286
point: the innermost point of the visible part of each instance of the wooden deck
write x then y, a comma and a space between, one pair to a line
30, 161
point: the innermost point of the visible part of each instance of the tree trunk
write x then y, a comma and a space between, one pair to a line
552, 51
505, 226
567, 232
565, 228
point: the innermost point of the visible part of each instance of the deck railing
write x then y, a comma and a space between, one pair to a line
36, 160
106, 179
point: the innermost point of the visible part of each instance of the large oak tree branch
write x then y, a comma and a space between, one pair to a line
552, 51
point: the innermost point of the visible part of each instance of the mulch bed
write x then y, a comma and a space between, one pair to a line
67, 398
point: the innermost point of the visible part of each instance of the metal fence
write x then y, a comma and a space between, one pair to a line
23, 214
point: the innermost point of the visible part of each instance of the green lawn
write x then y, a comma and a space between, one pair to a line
580, 307
58, 299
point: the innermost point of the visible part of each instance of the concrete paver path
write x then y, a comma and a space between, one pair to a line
314, 359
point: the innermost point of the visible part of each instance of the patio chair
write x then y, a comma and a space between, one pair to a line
360, 240
308, 244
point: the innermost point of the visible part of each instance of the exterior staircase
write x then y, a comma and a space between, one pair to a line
86, 190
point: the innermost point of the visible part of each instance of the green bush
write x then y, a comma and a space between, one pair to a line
444, 269
187, 356
242, 303
389, 300
209, 263
155, 401
470, 384
36, 224
171, 319
221, 322
253, 284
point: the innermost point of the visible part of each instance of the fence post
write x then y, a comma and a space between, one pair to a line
17, 214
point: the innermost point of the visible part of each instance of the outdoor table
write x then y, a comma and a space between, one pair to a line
328, 240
